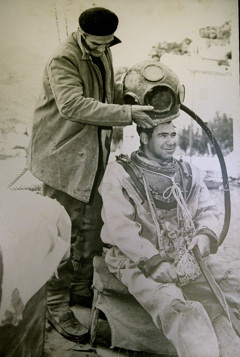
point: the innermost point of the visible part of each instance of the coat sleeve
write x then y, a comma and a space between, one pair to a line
67, 88
118, 214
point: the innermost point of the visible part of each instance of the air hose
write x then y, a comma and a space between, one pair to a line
227, 201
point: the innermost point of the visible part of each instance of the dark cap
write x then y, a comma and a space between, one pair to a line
98, 21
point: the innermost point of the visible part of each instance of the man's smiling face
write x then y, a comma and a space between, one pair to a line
162, 144
96, 45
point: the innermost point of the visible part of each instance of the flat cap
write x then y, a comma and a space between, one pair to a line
98, 21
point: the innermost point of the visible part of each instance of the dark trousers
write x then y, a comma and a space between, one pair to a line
85, 243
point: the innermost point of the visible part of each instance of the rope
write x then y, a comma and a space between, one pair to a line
185, 262
28, 188
36, 187
177, 194
17, 177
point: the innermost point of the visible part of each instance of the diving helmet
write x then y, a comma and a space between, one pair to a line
153, 83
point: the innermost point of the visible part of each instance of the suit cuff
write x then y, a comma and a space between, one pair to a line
213, 238
147, 266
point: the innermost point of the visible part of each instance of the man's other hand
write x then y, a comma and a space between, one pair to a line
140, 117
164, 273
203, 243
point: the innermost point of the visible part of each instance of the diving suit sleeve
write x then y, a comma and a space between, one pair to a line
120, 227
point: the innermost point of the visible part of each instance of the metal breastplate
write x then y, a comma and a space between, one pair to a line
167, 188
159, 180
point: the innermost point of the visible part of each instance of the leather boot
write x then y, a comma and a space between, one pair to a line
59, 314
81, 284
228, 340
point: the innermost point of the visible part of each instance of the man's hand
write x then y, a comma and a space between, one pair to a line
203, 243
164, 273
140, 117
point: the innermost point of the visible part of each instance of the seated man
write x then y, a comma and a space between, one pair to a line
155, 210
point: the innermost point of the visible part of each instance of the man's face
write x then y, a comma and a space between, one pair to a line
162, 144
96, 45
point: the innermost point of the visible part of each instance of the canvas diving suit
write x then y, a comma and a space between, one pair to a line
151, 213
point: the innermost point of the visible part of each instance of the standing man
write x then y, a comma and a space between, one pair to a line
69, 149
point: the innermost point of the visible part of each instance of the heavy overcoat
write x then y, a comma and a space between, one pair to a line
65, 141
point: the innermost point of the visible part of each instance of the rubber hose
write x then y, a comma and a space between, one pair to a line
227, 200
